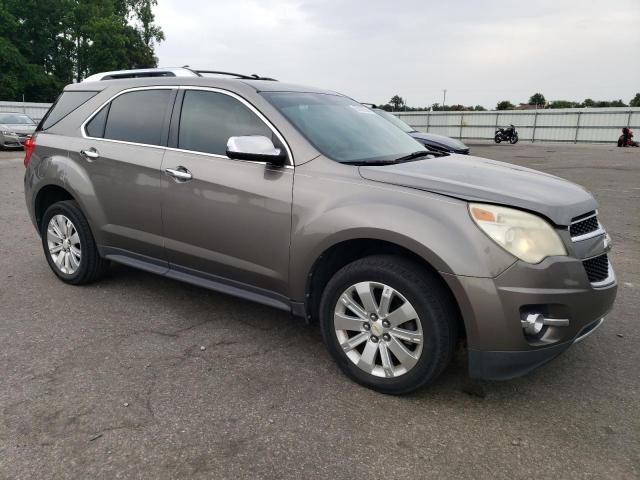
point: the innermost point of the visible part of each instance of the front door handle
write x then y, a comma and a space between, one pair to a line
180, 174
90, 154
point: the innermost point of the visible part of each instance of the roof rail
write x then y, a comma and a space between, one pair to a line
253, 76
142, 73
184, 71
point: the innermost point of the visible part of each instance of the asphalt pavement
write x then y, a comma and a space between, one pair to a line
139, 376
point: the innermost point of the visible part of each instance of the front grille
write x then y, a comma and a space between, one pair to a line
597, 268
582, 227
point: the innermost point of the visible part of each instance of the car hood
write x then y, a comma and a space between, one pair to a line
482, 180
18, 128
440, 139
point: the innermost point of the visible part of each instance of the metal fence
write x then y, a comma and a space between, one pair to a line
34, 110
561, 125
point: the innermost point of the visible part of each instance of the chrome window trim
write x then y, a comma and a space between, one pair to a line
246, 103
290, 163
222, 157
83, 130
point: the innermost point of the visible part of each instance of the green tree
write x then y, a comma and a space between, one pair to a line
12, 63
635, 101
537, 99
563, 104
589, 103
505, 105
479, 108
396, 101
49, 43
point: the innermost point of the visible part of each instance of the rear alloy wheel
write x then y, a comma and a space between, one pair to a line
64, 245
69, 246
389, 324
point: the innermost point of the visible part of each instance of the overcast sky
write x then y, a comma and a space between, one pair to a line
480, 51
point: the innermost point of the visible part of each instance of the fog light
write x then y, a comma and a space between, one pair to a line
535, 322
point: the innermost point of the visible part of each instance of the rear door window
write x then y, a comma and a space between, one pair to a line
137, 117
209, 119
66, 103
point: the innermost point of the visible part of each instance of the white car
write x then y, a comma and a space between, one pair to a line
15, 128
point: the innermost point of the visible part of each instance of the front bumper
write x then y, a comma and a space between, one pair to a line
492, 309
504, 365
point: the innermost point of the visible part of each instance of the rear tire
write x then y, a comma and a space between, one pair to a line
382, 360
69, 246
497, 138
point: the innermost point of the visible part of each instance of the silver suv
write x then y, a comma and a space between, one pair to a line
307, 201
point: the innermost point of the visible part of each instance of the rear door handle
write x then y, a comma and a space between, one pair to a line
180, 174
90, 154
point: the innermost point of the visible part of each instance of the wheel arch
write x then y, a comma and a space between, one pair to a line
58, 177
46, 196
343, 252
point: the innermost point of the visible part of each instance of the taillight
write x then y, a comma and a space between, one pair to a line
29, 147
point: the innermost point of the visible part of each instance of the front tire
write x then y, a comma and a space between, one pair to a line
390, 325
69, 246
514, 139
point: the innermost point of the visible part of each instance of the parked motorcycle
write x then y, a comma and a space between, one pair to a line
508, 134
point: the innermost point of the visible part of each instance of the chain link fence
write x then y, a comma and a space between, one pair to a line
574, 125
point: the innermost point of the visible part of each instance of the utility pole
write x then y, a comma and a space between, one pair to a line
444, 97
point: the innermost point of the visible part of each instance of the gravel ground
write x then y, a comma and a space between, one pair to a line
111, 380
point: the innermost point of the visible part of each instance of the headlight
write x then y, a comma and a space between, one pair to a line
524, 235
7, 132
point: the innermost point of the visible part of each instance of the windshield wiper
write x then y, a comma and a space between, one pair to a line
418, 154
406, 158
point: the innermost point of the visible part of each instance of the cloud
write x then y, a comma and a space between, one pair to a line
481, 52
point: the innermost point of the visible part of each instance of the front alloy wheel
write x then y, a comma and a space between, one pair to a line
378, 329
389, 323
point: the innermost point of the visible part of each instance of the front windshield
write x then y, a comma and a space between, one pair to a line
341, 128
395, 120
15, 119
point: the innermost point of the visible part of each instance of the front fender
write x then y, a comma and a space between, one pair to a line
329, 210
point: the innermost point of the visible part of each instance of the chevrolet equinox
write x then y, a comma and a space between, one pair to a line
307, 201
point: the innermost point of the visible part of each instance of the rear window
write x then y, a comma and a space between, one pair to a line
15, 119
136, 117
66, 103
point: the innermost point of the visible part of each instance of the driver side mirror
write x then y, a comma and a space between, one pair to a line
256, 148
